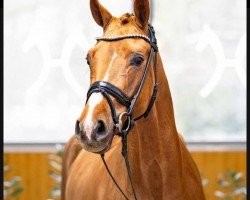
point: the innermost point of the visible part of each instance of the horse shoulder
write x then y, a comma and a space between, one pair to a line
71, 151
193, 179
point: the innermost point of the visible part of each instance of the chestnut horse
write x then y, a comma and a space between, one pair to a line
161, 166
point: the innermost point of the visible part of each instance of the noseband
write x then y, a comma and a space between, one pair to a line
107, 89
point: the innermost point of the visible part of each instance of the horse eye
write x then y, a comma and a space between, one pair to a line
136, 60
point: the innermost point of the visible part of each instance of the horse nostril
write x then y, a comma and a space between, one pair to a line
79, 133
100, 128
77, 128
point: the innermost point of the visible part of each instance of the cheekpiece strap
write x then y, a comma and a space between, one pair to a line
153, 40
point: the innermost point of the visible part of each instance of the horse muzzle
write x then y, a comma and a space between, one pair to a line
96, 139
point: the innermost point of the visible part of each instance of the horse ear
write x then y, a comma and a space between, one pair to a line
142, 11
99, 13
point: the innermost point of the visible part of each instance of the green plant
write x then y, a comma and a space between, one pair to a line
204, 180
232, 186
12, 186
55, 162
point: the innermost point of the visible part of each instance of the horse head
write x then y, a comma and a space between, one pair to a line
120, 63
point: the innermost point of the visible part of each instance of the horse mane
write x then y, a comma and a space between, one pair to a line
121, 25
125, 18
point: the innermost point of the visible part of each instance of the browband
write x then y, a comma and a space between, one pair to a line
151, 39
120, 37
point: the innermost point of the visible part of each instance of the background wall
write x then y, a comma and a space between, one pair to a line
202, 44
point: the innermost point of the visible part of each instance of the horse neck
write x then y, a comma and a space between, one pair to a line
153, 145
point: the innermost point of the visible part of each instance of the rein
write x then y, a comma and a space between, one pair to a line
107, 90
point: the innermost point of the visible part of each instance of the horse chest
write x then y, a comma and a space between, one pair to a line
88, 179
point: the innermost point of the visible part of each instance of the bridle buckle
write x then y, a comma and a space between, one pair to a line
121, 121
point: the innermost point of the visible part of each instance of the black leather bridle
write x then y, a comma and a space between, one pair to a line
107, 89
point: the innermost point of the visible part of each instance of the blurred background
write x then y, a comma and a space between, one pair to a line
203, 48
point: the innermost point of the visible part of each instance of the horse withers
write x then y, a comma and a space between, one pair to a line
129, 97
